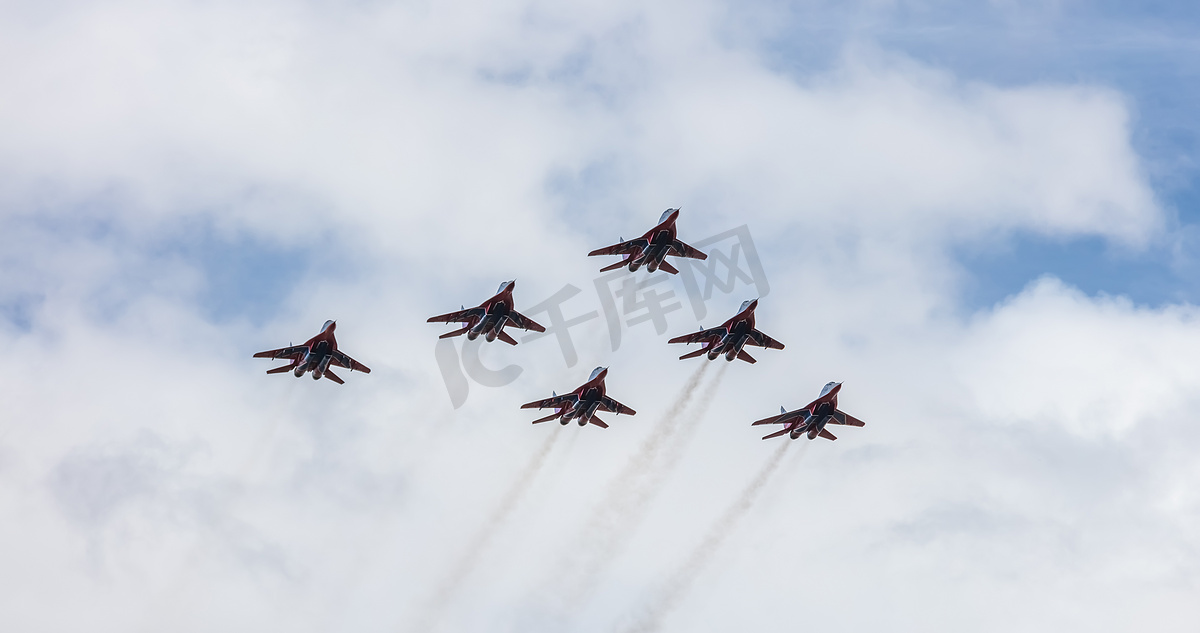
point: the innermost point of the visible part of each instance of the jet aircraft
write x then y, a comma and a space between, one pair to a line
490, 318
652, 248
813, 418
730, 337
582, 404
315, 355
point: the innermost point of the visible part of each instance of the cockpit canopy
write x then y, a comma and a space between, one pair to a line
829, 387
746, 304
504, 285
327, 325
596, 372
666, 214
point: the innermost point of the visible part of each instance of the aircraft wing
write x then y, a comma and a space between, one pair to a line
283, 352
841, 417
699, 337
524, 322
344, 360
461, 316
556, 401
613, 406
762, 340
624, 248
683, 250
784, 418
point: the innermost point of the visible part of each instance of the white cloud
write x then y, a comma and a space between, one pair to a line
1020, 455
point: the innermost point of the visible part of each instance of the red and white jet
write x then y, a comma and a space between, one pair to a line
813, 418
582, 403
730, 337
490, 318
652, 248
315, 355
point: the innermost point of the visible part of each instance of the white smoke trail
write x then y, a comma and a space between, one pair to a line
476, 546
680, 581
628, 496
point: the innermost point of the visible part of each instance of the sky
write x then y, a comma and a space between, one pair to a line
982, 217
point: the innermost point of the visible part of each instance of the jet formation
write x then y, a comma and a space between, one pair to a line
490, 318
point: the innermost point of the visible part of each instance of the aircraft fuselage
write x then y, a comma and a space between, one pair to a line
587, 400
820, 412
658, 240
738, 331
495, 316
319, 355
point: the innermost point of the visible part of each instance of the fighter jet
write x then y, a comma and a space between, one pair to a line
315, 355
490, 318
652, 248
730, 337
582, 403
813, 418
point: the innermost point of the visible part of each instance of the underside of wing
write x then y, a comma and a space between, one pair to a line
624, 248
841, 417
783, 418
609, 404
762, 340
556, 401
552, 416
683, 250
461, 316
700, 337
524, 322
283, 352
341, 359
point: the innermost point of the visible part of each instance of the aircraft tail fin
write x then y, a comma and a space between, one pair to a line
668, 267
455, 332
783, 431
504, 336
746, 357
280, 370
334, 377
549, 417
782, 410
827, 435
598, 422
693, 354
